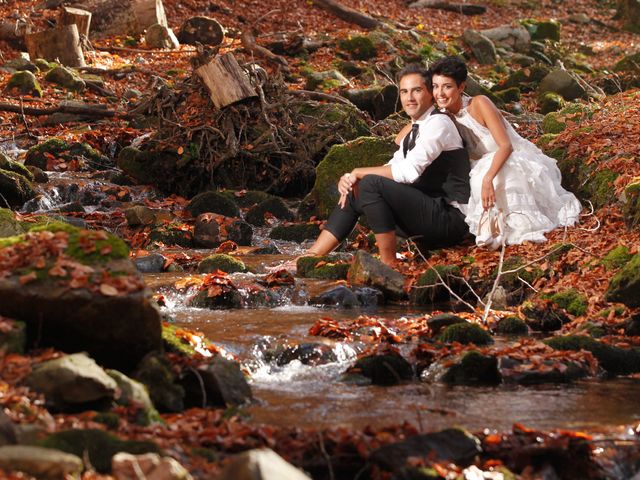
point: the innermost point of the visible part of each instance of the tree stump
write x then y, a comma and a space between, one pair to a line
149, 12
14, 31
226, 81
82, 18
61, 44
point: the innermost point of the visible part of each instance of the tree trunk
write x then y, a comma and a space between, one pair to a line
225, 80
61, 44
112, 17
629, 11
348, 14
149, 12
82, 18
450, 7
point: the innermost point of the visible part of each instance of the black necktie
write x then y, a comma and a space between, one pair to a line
410, 140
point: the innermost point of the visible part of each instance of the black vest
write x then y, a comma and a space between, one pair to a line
447, 176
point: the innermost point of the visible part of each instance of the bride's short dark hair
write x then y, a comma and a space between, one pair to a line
452, 66
415, 68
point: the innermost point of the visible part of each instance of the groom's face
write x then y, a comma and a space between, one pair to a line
414, 95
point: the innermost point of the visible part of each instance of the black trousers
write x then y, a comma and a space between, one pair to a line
389, 205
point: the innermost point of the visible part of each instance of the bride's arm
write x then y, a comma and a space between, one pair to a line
486, 112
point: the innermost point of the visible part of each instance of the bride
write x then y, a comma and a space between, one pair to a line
508, 172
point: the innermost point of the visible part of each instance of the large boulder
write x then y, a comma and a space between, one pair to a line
515, 38
220, 384
379, 101
77, 291
482, 47
562, 82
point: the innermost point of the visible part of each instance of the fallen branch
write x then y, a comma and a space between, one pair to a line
88, 111
462, 8
348, 14
320, 96
143, 50
249, 43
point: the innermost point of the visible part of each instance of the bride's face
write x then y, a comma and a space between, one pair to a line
446, 93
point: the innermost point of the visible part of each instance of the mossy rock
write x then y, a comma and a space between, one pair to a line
221, 261
544, 316
428, 288
466, 333
474, 88
616, 258
9, 226
550, 102
542, 30
26, 83
327, 80
359, 47
14, 338
362, 152
83, 153
600, 187
44, 65
173, 343
570, 300
66, 78
15, 188
615, 360
296, 233
99, 446
624, 287
19, 64
274, 206
509, 95
473, 369
157, 168
155, 372
379, 101
135, 394
631, 207
512, 326
171, 234
7, 164
526, 79
214, 202
556, 122
248, 198
306, 267
545, 140
511, 281
385, 370
630, 63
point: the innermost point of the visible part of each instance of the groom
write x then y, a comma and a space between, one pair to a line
423, 190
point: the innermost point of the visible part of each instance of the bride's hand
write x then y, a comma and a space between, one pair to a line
488, 194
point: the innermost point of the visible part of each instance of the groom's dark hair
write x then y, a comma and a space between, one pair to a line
415, 68
453, 67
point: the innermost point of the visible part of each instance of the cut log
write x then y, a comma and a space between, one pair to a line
61, 44
14, 32
226, 81
94, 110
82, 18
348, 14
462, 8
149, 12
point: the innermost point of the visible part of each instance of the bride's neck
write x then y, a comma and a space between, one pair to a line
457, 106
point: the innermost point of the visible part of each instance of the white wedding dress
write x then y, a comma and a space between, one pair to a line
527, 187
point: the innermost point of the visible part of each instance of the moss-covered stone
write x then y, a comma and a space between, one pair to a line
512, 326
15, 188
13, 337
362, 152
324, 121
511, 281
327, 80
615, 360
154, 371
542, 29
171, 234
631, 207
135, 395
82, 153
248, 198
551, 102
555, 122
9, 226
295, 233
109, 419
616, 258
509, 95
360, 47
624, 287
329, 269
26, 83
543, 316
97, 445
7, 164
386, 369
66, 78
571, 300
473, 369
545, 140
274, 206
138, 164
466, 333
600, 188
429, 289
630, 63
526, 79
212, 201
221, 261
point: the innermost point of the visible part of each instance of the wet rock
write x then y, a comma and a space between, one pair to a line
71, 207
429, 288
521, 372
512, 326
455, 445
544, 317
206, 231
329, 267
155, 372
139, 215
97, 446
13, 336
379, 102
240, 232
261, 464
81, 153
66, 78
624, 287
68, 306
517, 39
268, 248
71, 381
368, 271
172, 234
273, 206
224, 295
15, 188
384, 369
466, 333
203, 30
160, 36
152, 263
213, 202
39, 176
151, 466
223, 382
134, 394
42, 463
369, 297
441, 321
339, 296
562, 83
25, 83
6, 163
307, 354
296, 233
482, 47
223, 262
472, 368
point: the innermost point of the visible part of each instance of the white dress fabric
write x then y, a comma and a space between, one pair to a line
527, 187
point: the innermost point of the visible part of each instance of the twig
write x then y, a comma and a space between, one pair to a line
24, 120
527, 284
142, 50
496, 282
326, 456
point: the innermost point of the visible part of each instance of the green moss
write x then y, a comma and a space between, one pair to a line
512, 280
466, 333
9, 226
83, 153
15, 188
7, 164
97, 445
110, 419
65, 77
571, 300
306, 268
615, 360
551, 102
221, 261
600, 187
631, 208
273, 205
616, 258
296, 233
214, 202
542, 30
509, 95
175, 344
26, 83
512, 326
624, 287
555, 122
247, 198
473, 368
140, 165
360, 47
628, 63
171, 234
